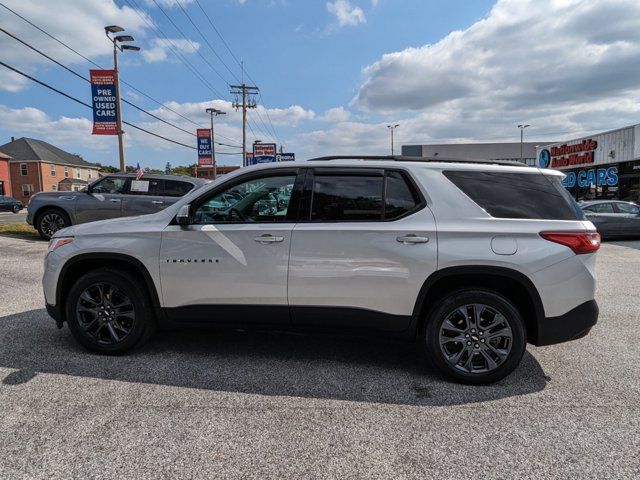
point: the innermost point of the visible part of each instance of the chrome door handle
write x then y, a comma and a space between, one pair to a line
114, 200
409, 239
157, 202
266, 238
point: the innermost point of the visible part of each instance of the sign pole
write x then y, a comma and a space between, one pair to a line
123, 167
213, 150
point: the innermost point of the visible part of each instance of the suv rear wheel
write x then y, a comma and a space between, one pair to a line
109, 311
50, 221
475, 336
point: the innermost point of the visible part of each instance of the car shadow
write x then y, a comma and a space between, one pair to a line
361, 369
632, 242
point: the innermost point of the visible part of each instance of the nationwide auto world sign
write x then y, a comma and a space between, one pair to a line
570, 155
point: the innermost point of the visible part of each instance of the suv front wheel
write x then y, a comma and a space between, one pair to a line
109, 311
475, 336
50, 221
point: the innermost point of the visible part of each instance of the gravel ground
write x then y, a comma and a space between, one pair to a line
255, 405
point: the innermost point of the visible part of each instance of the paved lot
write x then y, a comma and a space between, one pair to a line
238, 405
9, 217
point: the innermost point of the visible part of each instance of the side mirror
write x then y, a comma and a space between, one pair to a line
184, 215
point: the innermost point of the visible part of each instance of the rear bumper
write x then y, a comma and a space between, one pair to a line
574, 324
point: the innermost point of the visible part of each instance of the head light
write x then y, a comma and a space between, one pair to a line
57, 242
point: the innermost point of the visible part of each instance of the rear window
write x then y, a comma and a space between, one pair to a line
517, 195
176, 188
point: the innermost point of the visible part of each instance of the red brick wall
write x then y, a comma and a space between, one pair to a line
17, 179
5, 178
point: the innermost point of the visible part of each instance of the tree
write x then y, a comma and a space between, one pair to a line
167, 168
106, 168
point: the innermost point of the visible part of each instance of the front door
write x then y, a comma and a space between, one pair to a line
365, 249
230, 265
104, 200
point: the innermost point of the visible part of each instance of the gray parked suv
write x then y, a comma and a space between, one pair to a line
116, 195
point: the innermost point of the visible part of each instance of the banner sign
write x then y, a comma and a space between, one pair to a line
286, 157
103, 94
205, 154
264, 153
250, 161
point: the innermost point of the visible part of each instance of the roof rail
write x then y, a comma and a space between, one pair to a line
404, 158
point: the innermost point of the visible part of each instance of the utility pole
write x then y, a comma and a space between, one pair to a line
247, 102
522, 126
392, 128
214, 112
115, 40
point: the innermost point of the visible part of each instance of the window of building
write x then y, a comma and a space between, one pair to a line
78, 173
347, 198
53, 170
23, 169
517, 195
90, 174
27, 188
54, 188
66, 172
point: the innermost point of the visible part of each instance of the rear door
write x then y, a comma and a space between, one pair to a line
364, 246
174, 189
628, 218
604, 217
104, 201
144, 196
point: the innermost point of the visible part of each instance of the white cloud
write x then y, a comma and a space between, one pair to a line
345, 13
158, 49
80, 24
337, 114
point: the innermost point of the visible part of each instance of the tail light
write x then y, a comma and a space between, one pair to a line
579, 242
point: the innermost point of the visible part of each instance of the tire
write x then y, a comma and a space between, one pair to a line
467, 353
50, 221
15, 209
93, 324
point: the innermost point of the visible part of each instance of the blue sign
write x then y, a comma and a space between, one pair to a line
105, 107
593, 177
264, 153
205, 152
544, 158
285, 157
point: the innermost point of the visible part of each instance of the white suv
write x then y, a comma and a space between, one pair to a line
472, 259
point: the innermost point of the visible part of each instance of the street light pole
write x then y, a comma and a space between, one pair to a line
392, 128
120, 38
522, 126
214, 112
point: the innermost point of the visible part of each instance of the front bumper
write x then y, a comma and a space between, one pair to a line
55, 312
574, 324
29, 217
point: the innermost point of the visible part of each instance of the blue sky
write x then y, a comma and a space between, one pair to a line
332, 73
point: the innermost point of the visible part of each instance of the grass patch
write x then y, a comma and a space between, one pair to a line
18, 229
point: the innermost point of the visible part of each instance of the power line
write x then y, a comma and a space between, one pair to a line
205, 39
173, 48
46, 85
239, 62
97, 65
196, 49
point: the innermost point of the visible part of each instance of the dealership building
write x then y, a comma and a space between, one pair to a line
601, 166
487, 151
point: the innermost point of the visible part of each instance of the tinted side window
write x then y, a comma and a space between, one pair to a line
347, 197
601, 208
111, 185
399, 197
628, 208
176, 188
517, 195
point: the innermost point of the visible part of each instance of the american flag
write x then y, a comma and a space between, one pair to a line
139, 172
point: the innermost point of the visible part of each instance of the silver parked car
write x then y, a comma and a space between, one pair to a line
613, 218
115, 195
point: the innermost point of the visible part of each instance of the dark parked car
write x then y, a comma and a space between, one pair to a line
613, 218
116, 195
8, 204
